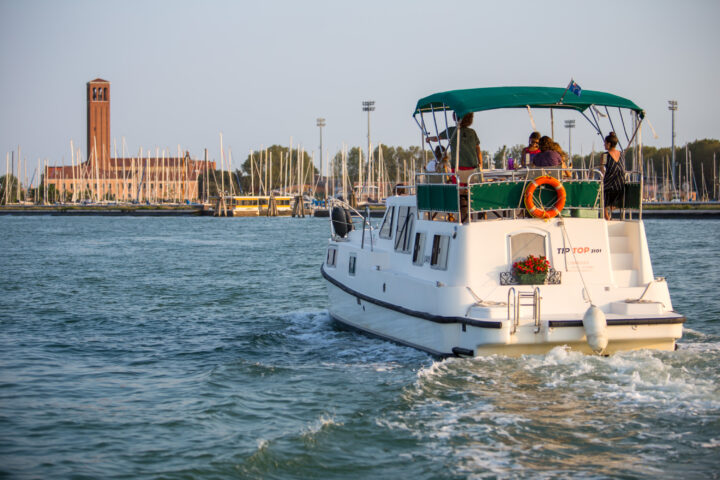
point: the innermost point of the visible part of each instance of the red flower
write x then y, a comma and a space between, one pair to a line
532, 264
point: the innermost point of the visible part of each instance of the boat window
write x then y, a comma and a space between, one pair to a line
524, 244
403, 231
440, 247
419, 249
351, 265
331, 256
386, 228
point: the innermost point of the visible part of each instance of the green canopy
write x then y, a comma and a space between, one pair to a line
463, 102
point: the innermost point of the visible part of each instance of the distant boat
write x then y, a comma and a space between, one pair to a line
252, 205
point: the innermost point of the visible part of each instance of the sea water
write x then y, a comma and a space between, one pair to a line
201, 348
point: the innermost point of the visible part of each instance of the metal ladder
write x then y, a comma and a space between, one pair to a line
515, 301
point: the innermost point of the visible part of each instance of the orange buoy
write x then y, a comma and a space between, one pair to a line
559, 203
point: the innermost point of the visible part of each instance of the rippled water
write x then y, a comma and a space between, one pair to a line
201, 348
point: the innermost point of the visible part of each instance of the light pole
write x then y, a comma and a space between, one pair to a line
321, 124
673, 106
368, 106
570, 124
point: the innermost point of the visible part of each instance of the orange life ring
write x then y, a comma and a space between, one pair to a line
559, 203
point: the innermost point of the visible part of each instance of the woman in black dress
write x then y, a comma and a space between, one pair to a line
614, 179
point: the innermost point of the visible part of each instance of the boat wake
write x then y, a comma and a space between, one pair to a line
562, 414
566, 411
321, 338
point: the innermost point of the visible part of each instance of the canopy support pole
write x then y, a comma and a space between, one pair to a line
421, 125
437, 131
447, 125
637, 128
597, 122
611, 122
623, 125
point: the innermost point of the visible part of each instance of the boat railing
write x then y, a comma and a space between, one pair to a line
492, 194
515, 301
401, 189
366, 222
632, 197
501, 193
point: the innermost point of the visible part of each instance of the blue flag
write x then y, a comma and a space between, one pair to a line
574, 88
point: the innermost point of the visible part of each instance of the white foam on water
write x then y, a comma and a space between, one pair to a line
319, 425
712, 443
693, 332
262, 444
394, 424
699, 347
314, 330
435, 369
643, 378
483, 460
491, 415
498, 403
307, 322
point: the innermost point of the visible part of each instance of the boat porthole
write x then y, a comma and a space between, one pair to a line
358, 300
634, 327
464, 327
383, 288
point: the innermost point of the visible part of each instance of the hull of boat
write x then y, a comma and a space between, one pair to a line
237, 212
448, 336
449, 288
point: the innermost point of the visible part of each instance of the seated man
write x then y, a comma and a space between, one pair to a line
432, 166
529, 152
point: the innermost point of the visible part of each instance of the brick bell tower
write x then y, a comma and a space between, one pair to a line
98, 121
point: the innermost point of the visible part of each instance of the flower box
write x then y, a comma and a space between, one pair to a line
531, 271
531, 278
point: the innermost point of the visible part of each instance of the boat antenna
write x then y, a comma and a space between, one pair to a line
532, 120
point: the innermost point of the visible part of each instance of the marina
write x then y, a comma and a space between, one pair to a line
688, 210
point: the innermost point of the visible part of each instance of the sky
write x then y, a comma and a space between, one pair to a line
261, 73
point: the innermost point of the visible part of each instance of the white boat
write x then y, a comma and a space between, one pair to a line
426, 280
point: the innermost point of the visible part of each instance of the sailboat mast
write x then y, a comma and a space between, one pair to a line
252, 173
17, 190
7, 177
715, 182
222, 167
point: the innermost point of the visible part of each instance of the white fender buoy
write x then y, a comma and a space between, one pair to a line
595, 325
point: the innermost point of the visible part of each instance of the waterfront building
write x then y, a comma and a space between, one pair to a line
148, 177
